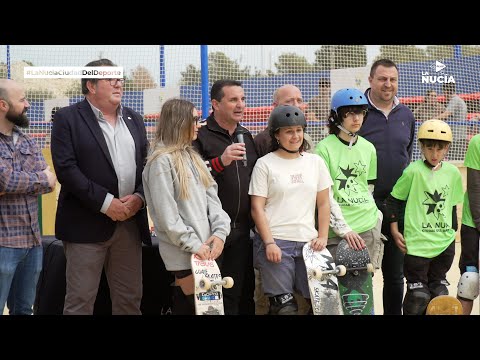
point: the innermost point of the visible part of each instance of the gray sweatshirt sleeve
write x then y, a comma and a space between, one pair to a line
161, 183
219, 219
473, 189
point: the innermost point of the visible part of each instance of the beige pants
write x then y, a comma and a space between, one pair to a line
121, 256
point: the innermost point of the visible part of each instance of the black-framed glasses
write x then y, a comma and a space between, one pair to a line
197, 119
113, 82
355, 112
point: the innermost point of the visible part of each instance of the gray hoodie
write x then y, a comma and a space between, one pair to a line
181, 225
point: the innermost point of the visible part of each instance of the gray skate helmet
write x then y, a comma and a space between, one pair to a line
286, 115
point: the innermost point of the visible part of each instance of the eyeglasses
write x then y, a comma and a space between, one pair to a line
113, 82
197, 119
355, 112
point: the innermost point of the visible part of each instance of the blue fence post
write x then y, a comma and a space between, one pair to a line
162, 66
8, 62
457, 51
204, 79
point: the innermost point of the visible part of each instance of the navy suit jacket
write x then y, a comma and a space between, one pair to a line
85, 171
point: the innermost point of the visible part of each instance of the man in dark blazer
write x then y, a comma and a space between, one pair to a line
99, 149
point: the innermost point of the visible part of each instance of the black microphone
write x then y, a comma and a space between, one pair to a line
241, 140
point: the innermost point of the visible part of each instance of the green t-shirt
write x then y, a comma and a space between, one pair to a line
350, 169
431, 196
472, 160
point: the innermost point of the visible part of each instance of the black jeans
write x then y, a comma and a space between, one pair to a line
237, 261
429, 270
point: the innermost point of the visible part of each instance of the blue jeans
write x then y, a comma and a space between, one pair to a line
19, 272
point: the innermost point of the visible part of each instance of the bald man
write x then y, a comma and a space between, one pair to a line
24, 175
284, 95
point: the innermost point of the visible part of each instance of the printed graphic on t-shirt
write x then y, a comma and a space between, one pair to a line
296, 179
346, 177
436, 202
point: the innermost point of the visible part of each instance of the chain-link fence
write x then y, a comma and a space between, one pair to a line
154, 73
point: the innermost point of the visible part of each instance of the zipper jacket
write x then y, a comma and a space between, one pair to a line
233, 180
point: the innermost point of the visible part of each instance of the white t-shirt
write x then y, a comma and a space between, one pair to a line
290, 187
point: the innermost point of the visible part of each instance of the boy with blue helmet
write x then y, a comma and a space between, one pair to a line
352, 163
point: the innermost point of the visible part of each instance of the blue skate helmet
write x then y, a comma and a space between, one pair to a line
346, 97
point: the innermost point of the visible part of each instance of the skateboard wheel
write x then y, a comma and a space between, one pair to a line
317, 273
370, 267
205, 284
228, 282
341, 270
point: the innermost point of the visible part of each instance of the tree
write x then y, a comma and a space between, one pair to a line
402, 53
340, 57
438, 52
75, 89
140, 79
39, 94
3, 70
291, 63
220, 66
190, 76
470, 50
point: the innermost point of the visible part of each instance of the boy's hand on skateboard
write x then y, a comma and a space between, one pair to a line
399, 241
216, 246
318, 244
355, 241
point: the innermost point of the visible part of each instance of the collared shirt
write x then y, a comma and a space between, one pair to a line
21, 181
394, 105
121, 147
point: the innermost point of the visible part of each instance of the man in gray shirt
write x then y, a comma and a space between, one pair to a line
457, 112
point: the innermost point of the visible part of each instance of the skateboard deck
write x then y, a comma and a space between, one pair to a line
322, 281
356, 289
444, 305
208, 286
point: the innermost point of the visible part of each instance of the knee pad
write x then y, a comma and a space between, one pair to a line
468, 284
438, 288
416, 299
284, 304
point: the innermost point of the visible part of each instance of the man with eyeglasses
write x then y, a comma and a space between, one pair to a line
352, 163
391, 129
99, 149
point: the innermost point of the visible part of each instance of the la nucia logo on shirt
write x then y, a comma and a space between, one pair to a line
346, 177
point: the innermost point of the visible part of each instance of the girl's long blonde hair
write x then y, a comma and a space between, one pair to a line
174, 136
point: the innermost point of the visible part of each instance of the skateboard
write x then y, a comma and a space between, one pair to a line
356, 290
208, 286
322, 281
444, 305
